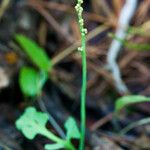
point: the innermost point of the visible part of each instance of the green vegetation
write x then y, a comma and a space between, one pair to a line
131, 45
130, 99
68, 84
36, 54
33, 122
31, 82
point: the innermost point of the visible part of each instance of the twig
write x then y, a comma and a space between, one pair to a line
3, 7
73, 47
126, 14
117, 4
51, 119
135, 124
101, 122
50, 19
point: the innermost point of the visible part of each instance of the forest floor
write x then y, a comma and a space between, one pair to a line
53, 25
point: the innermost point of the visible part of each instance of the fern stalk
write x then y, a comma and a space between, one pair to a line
82, 49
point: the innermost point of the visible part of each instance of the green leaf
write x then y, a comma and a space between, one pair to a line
32, 122
131, 99
43, 76
139, 31
137, 46
72, 129
131, 45
53, 146
35, 52
31, 81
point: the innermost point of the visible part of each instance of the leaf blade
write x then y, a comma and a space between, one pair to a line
35, 52
72, 129
31, 122
131, 99
30, 81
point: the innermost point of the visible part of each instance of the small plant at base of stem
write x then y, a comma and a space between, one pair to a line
33, 122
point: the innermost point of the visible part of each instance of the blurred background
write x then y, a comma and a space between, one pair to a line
53, 25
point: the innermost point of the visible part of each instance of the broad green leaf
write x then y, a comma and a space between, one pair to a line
72, 129
131, 99
31, 123
35, 52
31, 81
53, 146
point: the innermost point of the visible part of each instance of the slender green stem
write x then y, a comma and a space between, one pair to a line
45, 132
83, 32
66, 143
83, 95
